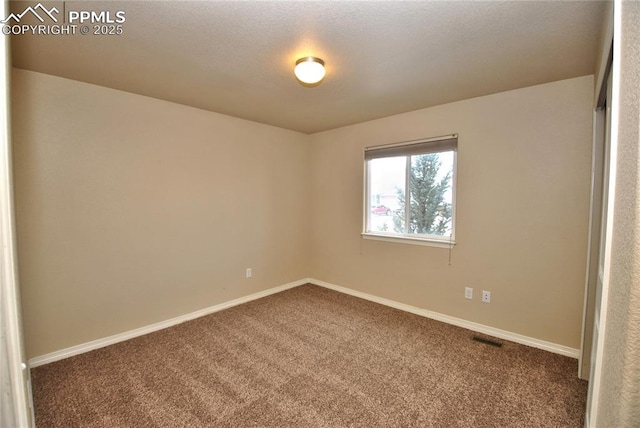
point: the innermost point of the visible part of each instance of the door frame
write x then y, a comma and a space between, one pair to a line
608, 205
16, 402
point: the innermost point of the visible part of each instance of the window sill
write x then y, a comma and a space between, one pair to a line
428, 242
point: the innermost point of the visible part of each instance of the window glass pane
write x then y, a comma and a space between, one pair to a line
430, 194
387, 177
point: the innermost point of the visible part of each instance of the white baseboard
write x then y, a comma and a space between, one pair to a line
479, 328
121, 337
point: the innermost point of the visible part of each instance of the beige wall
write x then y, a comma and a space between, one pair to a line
132, 210
524, 161
619, 404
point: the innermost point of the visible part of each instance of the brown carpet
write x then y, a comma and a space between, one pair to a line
310, 357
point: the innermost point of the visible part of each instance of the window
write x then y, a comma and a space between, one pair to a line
410, 191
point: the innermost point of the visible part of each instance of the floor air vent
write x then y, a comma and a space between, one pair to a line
487, 341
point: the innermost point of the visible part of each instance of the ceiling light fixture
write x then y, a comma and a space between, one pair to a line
309, 70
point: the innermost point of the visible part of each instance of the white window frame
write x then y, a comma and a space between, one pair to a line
404, 149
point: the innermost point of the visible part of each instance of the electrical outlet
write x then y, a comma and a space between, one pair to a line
249, 273
486, 296
468, 293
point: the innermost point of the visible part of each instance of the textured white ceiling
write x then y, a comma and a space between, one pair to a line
382, 58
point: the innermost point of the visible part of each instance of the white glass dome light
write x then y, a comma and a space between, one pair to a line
309, 70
